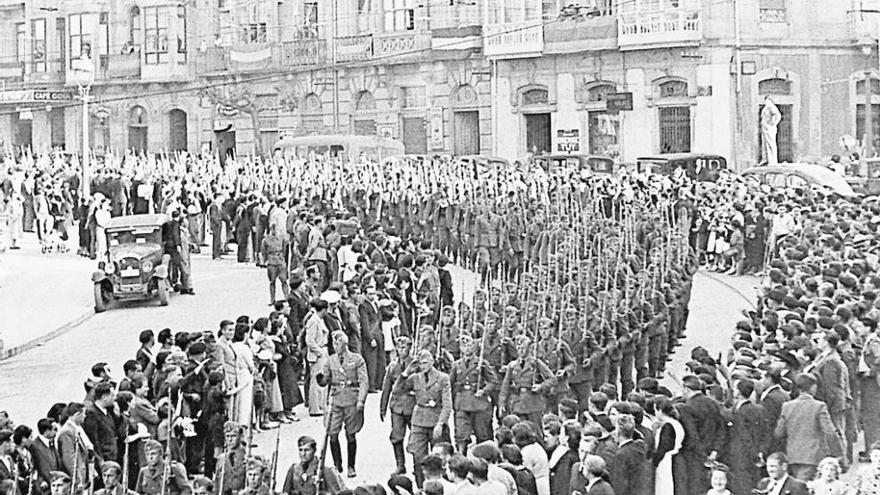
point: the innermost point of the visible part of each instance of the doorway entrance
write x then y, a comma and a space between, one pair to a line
538, 134
225, 144
466, 129
784, 136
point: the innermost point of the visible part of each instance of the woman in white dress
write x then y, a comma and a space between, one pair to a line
668, 436
243, 401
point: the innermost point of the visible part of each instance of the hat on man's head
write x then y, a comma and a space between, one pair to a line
331, 296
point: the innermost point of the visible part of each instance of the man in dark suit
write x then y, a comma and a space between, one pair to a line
628, 466
372, 341
806, 426
592, 474
172, 241
772, 399
778, 481
102, 424
7, 464
748, 436
45, 454
215, 218
833, 384
705, 429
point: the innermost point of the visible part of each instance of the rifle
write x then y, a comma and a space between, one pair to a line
274, 464
166, 469
319, 478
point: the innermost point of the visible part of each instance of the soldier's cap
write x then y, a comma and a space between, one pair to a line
492, 314
59, 476
385, 303
255, 463
511, 309
403, 340
649, 385
545, 321
447, 310
5, 436
108, 466
331, 296
465, 339
231, 426
523, 339
151, 445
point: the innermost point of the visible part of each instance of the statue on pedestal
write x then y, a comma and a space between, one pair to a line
770, 118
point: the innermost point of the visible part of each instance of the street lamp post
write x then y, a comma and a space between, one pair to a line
86, 172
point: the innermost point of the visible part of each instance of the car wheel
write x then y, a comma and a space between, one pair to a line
100, 299
162, 288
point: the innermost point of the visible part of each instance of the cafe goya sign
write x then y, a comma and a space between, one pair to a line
36, 95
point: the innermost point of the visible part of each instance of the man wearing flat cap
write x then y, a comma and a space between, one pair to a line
111, 475
151, 478
705, 429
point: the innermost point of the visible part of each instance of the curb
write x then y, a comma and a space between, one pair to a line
714, 278
14, 351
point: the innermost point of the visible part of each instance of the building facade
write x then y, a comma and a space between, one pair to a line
618, 78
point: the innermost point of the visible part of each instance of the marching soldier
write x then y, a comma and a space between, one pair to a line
346, 374
556, 354
472, 381
152, 478
448, 332
303, 477
229, 476
525, 384
255, 483
111, 474
433, 407
398, 400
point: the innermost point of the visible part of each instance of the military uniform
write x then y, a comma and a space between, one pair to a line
401, 402
119, 490
348, 382
556, 354
584, 349
149, 480
300, 480
473, 414
433, 406
231, 468
489, 241
516, 390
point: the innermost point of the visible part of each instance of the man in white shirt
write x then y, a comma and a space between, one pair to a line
458, 469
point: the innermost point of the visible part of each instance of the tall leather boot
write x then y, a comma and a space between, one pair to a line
352, 455
399, 457
336, 452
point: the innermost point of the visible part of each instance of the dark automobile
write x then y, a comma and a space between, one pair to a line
137, 267
700, 166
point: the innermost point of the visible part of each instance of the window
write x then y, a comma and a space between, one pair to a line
181, 33
61, 33
21, 38
104, 32
413, 96
675, 129
38, 47
80, 42
598, 93
777, 86
155, 35
310, 13
772, 11
134, 26
400, 15
252, 23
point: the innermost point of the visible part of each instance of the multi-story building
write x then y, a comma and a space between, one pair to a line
624, 78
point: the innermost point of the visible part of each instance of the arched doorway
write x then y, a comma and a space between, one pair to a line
534, 103
177, 136
780, 91
363, 120
466, 121
137, 129
312, 114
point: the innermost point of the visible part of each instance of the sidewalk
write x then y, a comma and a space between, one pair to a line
41, 295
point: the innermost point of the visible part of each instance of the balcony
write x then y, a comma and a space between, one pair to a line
401, 46
120, 66
11, 72
50, 73
639, 29
582, 33
238, 59
520, 39
304, 52
354, 48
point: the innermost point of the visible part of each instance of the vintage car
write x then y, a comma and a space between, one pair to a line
596, 163
137, 267
348, 147
700, 166
800, 175
867, 181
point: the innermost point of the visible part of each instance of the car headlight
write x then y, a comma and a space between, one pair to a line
110, 268
147, 266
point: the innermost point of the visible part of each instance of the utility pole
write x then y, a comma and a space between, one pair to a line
869, 116
335, 67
